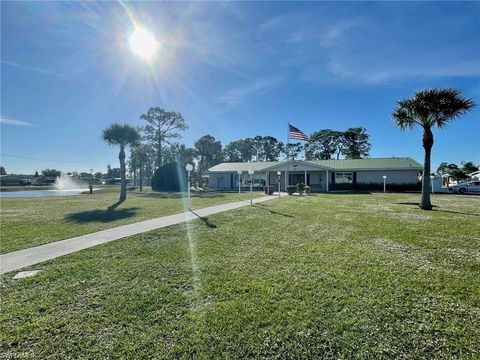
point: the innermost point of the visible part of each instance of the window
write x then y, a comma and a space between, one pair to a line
343, 178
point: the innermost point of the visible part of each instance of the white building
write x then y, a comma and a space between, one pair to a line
320, 175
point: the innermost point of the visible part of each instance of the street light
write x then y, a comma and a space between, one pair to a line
384, 183
279, 173
431, 182
189, 168
239, 172
250, 172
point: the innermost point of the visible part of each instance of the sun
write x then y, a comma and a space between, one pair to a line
143, 43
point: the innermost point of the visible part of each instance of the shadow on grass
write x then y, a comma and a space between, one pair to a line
105, 216
177, 195
457, 212
263, 207
437, 209
348, 192
205, 220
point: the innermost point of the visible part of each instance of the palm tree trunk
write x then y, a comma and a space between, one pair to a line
141, 171
425, 202
123, 182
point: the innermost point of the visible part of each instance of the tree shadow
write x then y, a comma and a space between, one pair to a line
205, 220
438, 209
457, 212
263, 207
98, 215
417, 204
179, 195
348, 192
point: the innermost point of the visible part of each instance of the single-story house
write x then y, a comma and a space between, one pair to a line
320, 175
474, 175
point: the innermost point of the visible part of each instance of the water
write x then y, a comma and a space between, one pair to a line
40, 193
64, 186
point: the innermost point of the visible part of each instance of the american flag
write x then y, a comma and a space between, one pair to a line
294, 133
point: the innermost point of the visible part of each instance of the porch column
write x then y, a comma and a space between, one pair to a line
286, 180
328, 177
306, 178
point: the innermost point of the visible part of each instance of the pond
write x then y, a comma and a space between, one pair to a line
41, 193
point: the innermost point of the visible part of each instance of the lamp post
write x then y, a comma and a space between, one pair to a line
279, 179
239, 172
189, 168
250, 172
431, 182
384, 183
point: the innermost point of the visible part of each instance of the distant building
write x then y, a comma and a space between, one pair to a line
474, 175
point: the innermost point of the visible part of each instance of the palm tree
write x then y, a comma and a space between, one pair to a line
429, 108
121, 135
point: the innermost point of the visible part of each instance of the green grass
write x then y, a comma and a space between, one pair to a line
326, 276
27, 222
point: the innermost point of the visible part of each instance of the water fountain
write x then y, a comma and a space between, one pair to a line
64, 186
65, 182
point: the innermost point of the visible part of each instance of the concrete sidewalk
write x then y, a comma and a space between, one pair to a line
22, 258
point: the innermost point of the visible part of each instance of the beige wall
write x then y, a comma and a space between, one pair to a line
393, 177
221, 181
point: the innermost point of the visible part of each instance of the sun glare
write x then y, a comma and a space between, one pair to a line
143, 43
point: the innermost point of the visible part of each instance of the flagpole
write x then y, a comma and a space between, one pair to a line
288, 133
288, 155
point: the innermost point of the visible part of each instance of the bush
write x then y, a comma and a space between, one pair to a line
268, 190
307, 190
291, 189
300, 188
169, 177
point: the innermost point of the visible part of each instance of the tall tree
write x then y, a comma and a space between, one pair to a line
292, 150
232, 152
257, 144
180, 154
161, 126
2, 171
51, 173
469, 167
121, 135
355, 144
429, 108
209, 152
323, 144
271, 148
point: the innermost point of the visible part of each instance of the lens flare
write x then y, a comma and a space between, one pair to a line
143, 43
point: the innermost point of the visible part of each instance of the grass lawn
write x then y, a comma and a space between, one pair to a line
27, 222
325, 276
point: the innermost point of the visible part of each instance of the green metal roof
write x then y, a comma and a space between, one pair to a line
244, 166
369, 164
356, 164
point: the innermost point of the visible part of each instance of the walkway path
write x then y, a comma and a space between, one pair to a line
19, 259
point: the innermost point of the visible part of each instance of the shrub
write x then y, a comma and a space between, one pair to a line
307, 190
291, 189
169, 177
300, 188
268, 190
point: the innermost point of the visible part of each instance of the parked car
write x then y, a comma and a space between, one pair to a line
467, 187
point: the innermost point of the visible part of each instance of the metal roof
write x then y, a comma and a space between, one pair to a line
343, 164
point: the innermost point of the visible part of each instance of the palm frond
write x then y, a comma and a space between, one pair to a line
121, 134
431, 107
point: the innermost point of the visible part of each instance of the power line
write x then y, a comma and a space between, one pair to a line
52, 160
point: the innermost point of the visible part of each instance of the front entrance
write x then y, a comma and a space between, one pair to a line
294, 179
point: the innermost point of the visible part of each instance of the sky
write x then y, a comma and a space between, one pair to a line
234, 70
